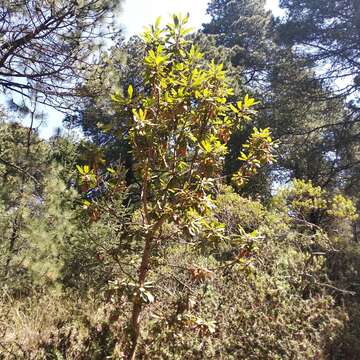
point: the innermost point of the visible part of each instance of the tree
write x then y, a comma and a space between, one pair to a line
179, 123
46, 46
119, 67
36, 209
244, 27
315, 143
306, 120
328, 33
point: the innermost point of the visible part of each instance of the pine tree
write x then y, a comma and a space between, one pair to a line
46, 46
327, 32
303, 111
36, 209
245, 28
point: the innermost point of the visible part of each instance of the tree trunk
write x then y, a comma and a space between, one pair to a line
137, 302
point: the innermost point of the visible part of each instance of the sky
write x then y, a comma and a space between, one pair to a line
135, 16
139, 13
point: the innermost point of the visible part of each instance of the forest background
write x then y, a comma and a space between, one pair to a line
209, 208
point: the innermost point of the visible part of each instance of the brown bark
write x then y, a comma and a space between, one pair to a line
137, 302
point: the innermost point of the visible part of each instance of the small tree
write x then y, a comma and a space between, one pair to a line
179, 122
35, 209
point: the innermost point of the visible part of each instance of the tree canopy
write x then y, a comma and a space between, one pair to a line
46, 46
328, 33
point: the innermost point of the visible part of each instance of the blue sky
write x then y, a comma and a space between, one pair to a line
139, 13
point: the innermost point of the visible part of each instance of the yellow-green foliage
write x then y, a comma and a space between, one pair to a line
268, 295
306, 202
342, 208
234, 210
301, 197
179, 129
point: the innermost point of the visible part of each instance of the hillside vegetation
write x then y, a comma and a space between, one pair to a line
210, 208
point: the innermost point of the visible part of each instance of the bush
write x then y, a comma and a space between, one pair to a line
274, 296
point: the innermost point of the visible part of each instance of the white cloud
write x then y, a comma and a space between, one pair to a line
139, 13
273, 5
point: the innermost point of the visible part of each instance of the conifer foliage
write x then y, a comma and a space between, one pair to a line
46, 46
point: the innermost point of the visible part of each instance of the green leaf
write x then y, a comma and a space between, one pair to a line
130, 91
186, 18
249, 102
206, 145
243, 156
116, 98
80, 169
234, 109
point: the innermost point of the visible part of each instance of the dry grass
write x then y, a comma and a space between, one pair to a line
30, 327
